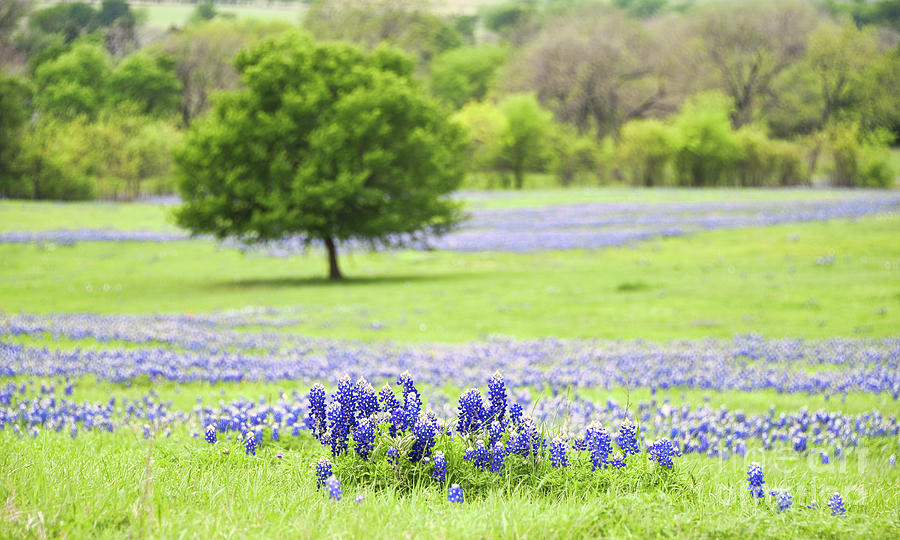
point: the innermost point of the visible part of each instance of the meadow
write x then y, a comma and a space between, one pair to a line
169, 387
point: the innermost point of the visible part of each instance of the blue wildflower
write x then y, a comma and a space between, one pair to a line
339, 428
662, 452
756, 479
455, 494
627, 439
498, 457
599, 443
439, 470
836, 503
617, 461
479, 456
334, 487
515, 413
250, 443
497, 398
388, 399
783, 498
323, 471
823, 456
892, 460
346, 396
359, 498
558, 455
364, 436
471, 411
316, 418
495, 432
211, 434
392, 455
425, 430
366, 400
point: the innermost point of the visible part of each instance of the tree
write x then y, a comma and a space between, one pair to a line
527, 128
324, 141
14, 96
203, 54
406, 24
72, 84
594, 72
748, 44
464, 74
147, 81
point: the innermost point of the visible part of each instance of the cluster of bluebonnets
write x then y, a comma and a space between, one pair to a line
782, 497
252, 346
572, 226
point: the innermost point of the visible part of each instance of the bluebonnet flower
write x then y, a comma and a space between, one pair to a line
364, 436
662, 452
73, 431
323, 471
250, 443
479, 456
515, 413
497, 398
783, 498
346, 396
316, 418
823, 456
455, 494
599, 443
498, 457
627, 439
366, 400
359, 498
393, 456
892, 460
617, 461
334, 487
836, 503
413, 409
495, 432
405, 380
558, 455
439, 467
471, 411
425, 430
755, 479
339, 428
146, 431
387, 399
211, 434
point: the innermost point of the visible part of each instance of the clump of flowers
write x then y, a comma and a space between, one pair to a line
836, 504
455, 494
662, 452
599, 443
782, 498
250, 443
756, 479
323, 471
497, 398
627, 439
439, 467
558, 455
364, 436
334, 487
479, 455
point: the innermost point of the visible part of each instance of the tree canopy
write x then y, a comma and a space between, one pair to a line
324, 141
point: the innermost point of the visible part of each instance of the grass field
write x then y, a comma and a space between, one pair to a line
153, 475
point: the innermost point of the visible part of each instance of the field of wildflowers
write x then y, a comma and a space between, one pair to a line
237, 422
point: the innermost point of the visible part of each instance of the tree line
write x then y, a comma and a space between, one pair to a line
642, 92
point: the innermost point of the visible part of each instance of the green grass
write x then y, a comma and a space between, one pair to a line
720, 283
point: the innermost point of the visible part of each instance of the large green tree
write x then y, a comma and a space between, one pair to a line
325, 141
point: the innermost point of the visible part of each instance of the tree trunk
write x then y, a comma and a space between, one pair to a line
334, 272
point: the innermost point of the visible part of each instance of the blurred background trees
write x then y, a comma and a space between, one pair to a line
757, 93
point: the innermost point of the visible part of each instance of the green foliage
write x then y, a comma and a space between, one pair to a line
858, 159
523, 141
148, 82
645, 150
641, 8
14, 112
324, 141
767, 162
485, 124
515, 20
205, 11
406, 24
573, 156
70, 20
706, 148
465, 74
72, 84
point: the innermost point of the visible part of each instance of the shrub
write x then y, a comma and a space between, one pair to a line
645, 150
